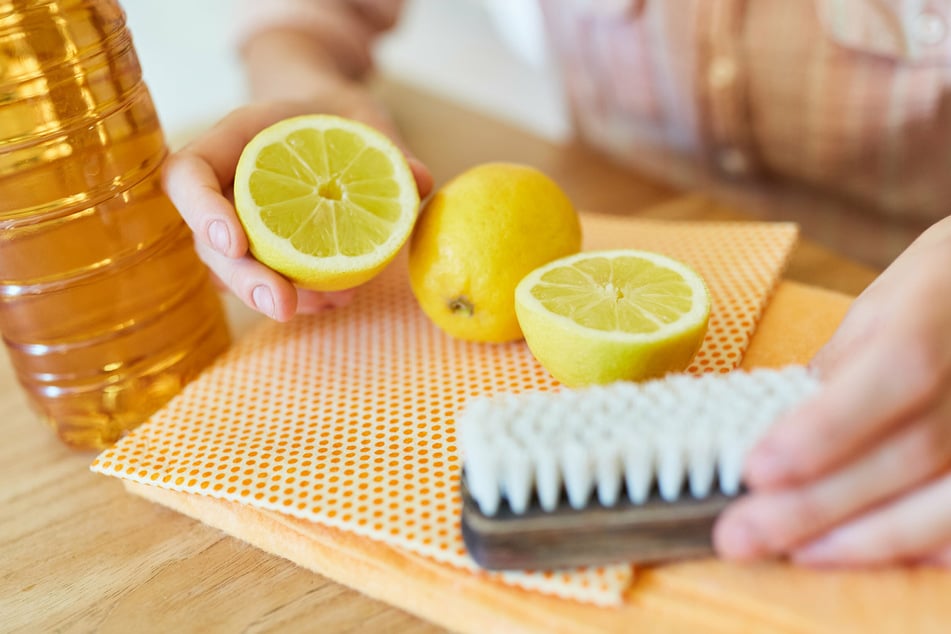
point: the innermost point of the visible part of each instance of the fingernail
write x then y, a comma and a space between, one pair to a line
263, 300
738, 539
219, 237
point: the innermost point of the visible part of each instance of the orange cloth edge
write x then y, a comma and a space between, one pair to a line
798, 320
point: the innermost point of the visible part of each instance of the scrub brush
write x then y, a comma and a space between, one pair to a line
627, 472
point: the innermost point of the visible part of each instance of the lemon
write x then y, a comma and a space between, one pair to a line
477, 237
325, 201
604, 316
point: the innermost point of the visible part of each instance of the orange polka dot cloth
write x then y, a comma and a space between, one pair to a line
346, 418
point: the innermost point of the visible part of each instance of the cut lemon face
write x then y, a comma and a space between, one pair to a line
603, 316
325, 201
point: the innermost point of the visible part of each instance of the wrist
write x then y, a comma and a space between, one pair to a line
342, 34
289, 65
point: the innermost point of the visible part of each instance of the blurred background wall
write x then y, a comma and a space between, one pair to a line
486, 54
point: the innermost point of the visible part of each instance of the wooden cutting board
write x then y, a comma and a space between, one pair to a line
697, 596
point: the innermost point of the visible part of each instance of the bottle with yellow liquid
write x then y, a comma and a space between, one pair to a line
105, 309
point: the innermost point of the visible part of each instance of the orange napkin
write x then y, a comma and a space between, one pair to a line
346, 419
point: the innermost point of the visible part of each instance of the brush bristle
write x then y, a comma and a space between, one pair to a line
625, 439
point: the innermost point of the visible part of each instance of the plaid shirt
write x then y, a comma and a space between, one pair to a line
834, 113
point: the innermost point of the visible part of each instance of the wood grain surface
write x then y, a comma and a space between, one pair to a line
80, 554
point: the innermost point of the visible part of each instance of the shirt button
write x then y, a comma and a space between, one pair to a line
733, 162
722, 72
930, 28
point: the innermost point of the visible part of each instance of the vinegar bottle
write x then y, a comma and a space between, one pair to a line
105, 309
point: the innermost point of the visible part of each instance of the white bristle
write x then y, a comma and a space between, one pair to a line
547, 478
730, 466
607, 466
518, 481
701, 463
675, 435
482, 466
638, 469
576, 467
670, 466
485, 490
638, 461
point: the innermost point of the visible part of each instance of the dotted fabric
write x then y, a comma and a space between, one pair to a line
346, 418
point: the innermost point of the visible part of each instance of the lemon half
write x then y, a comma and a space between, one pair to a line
325, 201
603, 316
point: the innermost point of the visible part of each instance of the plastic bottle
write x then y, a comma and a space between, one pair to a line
105, 309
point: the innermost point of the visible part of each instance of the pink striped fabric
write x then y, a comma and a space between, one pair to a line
834, 113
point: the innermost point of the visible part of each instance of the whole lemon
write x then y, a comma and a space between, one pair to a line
478, 236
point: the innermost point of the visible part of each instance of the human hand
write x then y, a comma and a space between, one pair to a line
861, 473
199, 180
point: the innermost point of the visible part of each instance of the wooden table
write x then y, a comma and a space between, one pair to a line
79, 554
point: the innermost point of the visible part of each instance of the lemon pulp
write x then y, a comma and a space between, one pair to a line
326, 201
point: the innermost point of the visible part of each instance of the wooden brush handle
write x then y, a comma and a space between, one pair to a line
634, 533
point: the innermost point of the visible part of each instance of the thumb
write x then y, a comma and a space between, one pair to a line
852, 335
375, 115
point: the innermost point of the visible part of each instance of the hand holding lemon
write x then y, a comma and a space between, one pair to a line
197, 179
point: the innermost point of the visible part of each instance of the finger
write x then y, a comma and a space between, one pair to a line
774, 522
421, 173
198, 178
941, 557
906, 529
256, 285
856, 406
221, 146
849, 338
372, 113
312, 302
424, 178
194, 189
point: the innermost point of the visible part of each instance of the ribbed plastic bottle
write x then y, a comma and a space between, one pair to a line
105, 309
